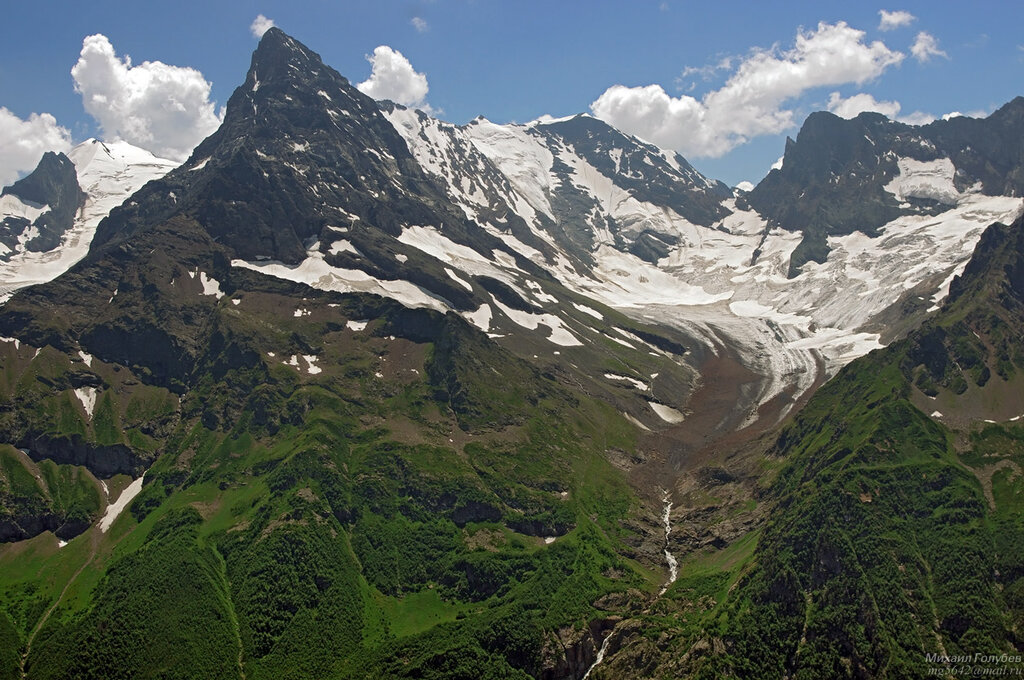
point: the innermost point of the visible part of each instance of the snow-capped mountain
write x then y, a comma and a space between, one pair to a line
57, 207
640, 230
311, 181
357, 360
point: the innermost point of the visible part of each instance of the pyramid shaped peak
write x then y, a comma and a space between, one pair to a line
280, 56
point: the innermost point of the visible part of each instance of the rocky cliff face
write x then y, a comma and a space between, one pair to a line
841, 176
37, 210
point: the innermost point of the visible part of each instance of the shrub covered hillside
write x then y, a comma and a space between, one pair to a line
899, 524
398, 497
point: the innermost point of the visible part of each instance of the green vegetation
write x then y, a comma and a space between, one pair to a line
331, 525
889, 539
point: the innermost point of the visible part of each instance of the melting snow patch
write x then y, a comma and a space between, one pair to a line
313, 271
87, 358
481, 318
936, 414
589, 310
311, 366
343, 246
550, 539
87, 395
666, 413
559, 335
635, 422
356, 325
61, 544
17, 343
211, 286
925, 179
639, 384
300, 312
455, 277
539, 293
117, 507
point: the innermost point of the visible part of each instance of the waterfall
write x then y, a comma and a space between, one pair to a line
600, 654
673, 565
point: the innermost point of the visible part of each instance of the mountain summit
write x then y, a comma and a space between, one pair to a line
358, 393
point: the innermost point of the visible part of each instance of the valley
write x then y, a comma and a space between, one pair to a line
383, 396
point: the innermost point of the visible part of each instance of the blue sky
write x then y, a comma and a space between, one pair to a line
723, 86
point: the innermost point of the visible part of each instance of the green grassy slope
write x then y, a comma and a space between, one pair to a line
896, 533
425, 504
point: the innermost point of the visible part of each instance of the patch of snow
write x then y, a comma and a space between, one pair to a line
87, 395
559, 334
936, 414
589, 310
455, 277
639, 384
356, 325
925, 179
666, 413
344, 246
481, 318
313, 271
87, 358
117, 507
211, 286
311, 366
635, 422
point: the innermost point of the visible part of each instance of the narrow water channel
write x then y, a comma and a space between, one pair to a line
673, 565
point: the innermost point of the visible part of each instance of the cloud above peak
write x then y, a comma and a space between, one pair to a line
163, 109
752, 101
393, 77
853, 106
23, 142
260, 25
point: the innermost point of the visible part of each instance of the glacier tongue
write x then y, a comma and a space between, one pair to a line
108, 172
726, 283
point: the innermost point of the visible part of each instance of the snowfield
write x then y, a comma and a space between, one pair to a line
108, 172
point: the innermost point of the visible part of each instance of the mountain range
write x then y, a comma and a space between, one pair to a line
356, 392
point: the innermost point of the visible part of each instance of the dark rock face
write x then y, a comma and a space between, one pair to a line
643, 170
650, 175
54, 183
833, 175
102, 461
304, 158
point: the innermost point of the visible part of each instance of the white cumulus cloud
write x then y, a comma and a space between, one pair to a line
893, 20
23, 142
260, 25
854, 105
925, 47
393, 77
163, 109
751, 102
